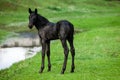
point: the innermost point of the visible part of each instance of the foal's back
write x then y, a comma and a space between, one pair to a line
61, 29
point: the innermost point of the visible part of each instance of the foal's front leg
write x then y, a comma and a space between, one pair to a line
48, 55
43, 55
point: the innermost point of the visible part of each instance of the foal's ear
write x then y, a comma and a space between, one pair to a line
35, 10
29, 10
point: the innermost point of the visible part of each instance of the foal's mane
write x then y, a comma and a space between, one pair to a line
42, 20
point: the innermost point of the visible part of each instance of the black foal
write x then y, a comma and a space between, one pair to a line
48, 31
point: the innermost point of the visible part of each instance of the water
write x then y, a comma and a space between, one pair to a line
17, 48
9, 56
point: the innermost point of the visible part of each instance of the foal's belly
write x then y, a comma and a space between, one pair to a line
53, 37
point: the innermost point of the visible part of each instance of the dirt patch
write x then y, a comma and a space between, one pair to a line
24, 39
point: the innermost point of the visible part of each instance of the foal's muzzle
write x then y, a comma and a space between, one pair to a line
30, 26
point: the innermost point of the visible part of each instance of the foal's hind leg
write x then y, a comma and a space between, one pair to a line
72, 49
66, 51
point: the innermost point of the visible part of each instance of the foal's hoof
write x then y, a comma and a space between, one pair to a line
62, 72
40, 71
72, 71
49, 70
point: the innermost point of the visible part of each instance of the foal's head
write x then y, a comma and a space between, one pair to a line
32, 18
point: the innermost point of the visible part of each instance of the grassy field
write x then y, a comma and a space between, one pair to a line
97, 45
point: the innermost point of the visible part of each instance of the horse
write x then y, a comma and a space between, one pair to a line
47, 31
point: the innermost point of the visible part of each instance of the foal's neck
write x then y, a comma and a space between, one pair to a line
41, 22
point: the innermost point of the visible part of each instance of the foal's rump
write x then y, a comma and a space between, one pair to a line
65, 28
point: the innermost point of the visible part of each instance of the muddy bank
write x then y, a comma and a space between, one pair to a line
24, 39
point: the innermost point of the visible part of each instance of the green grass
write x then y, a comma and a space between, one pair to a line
4, 35
97, 57
97, 46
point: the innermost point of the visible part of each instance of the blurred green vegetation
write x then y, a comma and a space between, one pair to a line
97, 47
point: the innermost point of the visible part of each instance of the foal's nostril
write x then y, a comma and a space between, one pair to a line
30, 26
